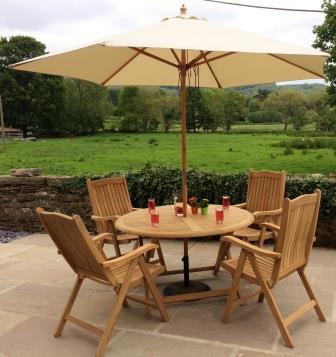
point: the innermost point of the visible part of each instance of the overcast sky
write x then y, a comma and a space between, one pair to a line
62, 24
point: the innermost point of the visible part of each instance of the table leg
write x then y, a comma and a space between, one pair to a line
185, 260
186, 286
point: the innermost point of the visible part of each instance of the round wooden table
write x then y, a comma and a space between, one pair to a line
193, 226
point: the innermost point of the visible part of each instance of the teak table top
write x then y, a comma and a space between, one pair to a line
171, 226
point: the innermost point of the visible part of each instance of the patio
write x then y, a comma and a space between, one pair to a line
35, 282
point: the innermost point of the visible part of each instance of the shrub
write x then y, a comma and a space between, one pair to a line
288, 151
152, 141
302, 143
163, 181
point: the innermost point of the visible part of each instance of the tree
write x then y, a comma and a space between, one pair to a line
317, 103
213, 98
139, 109
127, 108
86, 106
290, 104
224, 108
148, 109
232, 108
31, 101
329, 119
195, 108
170, 108
326, 41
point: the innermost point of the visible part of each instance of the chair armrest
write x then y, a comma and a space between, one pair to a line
104, 218
240, 205
128, 257
102, 237
271, 226
267, 213
251, 248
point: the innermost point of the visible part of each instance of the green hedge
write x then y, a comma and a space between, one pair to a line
162, 181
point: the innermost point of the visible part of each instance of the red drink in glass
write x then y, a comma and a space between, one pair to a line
219, 215
226, 202
155, 218
151, 205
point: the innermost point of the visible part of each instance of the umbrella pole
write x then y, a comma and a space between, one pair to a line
183, 69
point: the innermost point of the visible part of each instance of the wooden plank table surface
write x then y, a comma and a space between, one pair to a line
193, 226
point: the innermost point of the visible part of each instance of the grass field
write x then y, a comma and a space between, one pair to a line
104, 153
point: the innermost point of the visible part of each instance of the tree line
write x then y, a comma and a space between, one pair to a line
49, 106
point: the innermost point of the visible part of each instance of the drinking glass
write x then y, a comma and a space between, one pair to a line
151, 204
226, 202
155, 218
219, 215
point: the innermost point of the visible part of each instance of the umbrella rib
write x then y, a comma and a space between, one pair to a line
176, 56
193, 63
120, 68
295, 65
211, 70
139, 50
215, 58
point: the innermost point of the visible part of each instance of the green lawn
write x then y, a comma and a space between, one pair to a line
108, 152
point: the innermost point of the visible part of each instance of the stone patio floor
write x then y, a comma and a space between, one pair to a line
35, 283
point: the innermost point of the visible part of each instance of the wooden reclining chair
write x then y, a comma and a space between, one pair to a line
82, 253
265, 268
265, 194
110, 199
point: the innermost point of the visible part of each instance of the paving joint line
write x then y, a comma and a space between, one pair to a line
12, 287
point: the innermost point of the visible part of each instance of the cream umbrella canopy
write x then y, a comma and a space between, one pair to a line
183, 49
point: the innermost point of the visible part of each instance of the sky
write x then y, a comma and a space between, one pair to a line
62, 24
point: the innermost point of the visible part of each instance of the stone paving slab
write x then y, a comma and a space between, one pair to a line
154, 345
35, 283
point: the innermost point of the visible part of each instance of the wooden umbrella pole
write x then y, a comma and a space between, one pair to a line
183, 71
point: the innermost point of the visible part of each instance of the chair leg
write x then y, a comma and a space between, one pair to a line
112, 319
234, 287
311, 295
154, 290
223, 251
68, 307
271, 302
160, 254
147, 295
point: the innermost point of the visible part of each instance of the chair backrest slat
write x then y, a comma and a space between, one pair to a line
109, 196
75, 244
297, 230
265, 192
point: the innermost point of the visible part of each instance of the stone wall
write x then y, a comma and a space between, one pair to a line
20, 196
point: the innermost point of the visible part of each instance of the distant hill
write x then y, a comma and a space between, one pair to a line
306, 87
254, 89
250, 91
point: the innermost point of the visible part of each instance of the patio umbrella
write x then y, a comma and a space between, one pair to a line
183, 50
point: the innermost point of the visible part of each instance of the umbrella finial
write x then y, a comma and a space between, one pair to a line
183, 10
